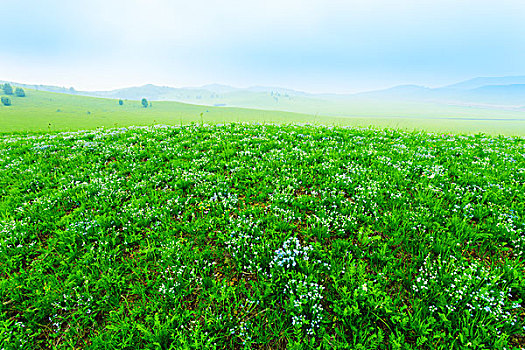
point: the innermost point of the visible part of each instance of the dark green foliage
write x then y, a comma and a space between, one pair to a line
120, 102
261, 237
20, 92
6, 101
144, 103
8, 89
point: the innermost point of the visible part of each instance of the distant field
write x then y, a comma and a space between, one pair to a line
47, 111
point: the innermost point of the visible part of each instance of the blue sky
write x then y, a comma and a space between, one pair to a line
311, 45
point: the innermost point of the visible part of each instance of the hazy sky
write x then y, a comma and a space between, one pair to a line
312, 45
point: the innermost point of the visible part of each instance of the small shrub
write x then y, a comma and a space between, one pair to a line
19, 92
8, 89
6, 101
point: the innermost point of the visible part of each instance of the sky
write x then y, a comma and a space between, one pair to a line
309, 45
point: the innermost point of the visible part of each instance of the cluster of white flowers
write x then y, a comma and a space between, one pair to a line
303, 295
246, 244
509, 223
290, 253
467, 287
244, 248
14, 235
227, 200
285, 215
85, 227
467, 210
171, 277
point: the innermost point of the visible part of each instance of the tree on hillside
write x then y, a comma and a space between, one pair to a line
145, 103
6, 101
20, 92
120, 102
8, 89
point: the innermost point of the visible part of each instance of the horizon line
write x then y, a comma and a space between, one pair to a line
207, 85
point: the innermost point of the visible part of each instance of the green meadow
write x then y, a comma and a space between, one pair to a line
181, 226
47, 111
244, 236
262, 175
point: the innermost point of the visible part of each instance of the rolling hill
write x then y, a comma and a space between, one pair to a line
494, 92
490, 108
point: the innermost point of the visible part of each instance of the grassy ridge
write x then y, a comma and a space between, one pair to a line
46, 111
247, 237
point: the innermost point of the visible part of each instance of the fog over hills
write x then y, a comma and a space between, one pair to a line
485, 92
484, 81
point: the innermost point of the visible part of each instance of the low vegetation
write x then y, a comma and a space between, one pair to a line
42, 111
8, 90
6, 101
19, 92
260, 236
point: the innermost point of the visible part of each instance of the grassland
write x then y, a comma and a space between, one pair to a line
46, 111
261, 237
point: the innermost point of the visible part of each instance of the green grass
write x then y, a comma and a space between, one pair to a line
46, 111
269, 237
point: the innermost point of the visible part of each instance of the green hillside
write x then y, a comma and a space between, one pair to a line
261, 237
48, 111
43, 111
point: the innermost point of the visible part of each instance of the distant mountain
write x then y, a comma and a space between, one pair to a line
487, 81
484, 92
